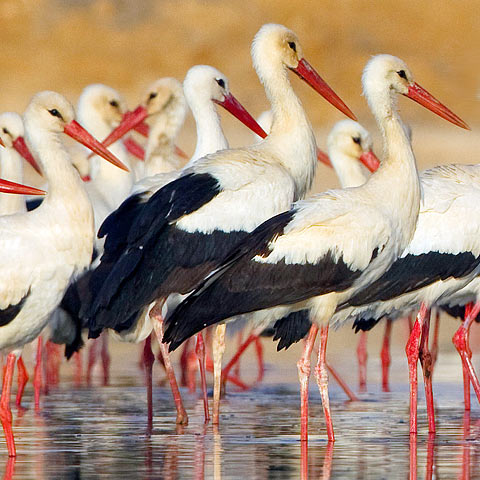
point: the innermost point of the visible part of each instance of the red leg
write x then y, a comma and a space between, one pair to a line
183, 362
231, 378
92, 357
105, 358
362, 362
78, 356
191, 371
5, 412
436, 333
218, 350
341, 382
251, 338
385, 355
200, 351
321, 376
261, 365
22, 380
412, 351
53, 359
426, 362
148, 359
37, 375
461, 342
303, 366
466, 447
156, 313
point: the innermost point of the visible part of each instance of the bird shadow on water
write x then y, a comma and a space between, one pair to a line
101, 433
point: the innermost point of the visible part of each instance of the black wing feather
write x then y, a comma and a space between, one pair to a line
243, 285
148, 247
291, 329
9, 314
412, 272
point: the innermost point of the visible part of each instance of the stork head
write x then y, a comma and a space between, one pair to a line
11, 135
204, 84
276, 46
385, 76
165, 95
354, 142
50, 113
100, 103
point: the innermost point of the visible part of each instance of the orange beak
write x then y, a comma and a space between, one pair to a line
78, 133
370, 160
21, 147
421, 96
324, 158
130, 120
134, 148
12, 187
231, 104
306, 72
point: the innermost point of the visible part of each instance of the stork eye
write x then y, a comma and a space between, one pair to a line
292, 46
5, 130
55, 113
221, 82
357, 140
152, 95
114, 103
402, 74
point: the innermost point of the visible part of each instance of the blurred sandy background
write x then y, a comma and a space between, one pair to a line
64, 45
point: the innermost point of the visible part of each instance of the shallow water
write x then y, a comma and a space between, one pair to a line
100, 432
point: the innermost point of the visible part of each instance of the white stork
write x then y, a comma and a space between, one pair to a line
192, 223
43, 249
321, 252
439, 261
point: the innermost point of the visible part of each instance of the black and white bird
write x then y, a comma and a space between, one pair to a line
42, 250
321, 252
433, 269
189, 226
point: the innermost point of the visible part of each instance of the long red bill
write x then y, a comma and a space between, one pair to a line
370, 160
134, 148
324, 158
130, 120
12, 187
231, 104
306, 72
78, 133
21, 147
1, 143
421, 96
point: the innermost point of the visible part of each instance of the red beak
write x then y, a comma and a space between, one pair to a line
231, 104
306, 72
130, 120
421, 96
12, 187
370, 160
142, 128
324, 158
21, 147
78, 133
134, 148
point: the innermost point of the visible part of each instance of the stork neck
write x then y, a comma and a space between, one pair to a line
108, 178
396, 184
210, 136
63, 179
11, 164
349, 170
291, 134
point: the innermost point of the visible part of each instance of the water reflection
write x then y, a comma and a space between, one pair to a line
100, 432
